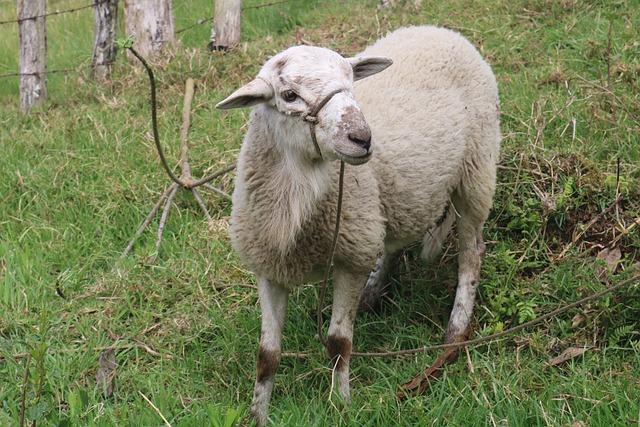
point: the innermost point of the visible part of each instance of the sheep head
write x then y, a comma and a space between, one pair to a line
307, 84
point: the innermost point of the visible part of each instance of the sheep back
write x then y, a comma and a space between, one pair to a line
434, 116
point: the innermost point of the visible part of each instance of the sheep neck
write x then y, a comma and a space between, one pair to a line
298, 189
297, 180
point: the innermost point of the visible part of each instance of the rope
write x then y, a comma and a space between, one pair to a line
458, 344
506, 332
156, 137
332, 251
154, 118
312, 119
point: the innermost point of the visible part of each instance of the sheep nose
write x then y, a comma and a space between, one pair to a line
362, 138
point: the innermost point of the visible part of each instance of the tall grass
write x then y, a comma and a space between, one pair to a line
80, 173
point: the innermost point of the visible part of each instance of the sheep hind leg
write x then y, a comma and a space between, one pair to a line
470, 256
273, 303
471, 252
347, 290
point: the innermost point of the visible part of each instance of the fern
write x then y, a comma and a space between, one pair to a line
619, 336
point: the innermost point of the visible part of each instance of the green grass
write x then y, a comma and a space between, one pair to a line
80, 174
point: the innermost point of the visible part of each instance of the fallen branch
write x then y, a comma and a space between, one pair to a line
185, 181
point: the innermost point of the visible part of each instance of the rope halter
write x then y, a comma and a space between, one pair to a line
312, 118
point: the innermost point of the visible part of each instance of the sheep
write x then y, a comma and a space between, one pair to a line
424, 158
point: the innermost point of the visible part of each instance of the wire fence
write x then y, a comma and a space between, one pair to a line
57, 12
198, 23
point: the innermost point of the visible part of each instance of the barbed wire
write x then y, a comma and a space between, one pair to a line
67, 70
98, 2
258, 6
57, 12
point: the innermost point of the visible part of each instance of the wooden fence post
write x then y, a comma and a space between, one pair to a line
105, 15
32, 33
151, 23
226, 24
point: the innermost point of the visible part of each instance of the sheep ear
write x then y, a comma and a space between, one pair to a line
254, 92
368, 66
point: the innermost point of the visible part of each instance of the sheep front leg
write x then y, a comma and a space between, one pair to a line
347, 290
273, 303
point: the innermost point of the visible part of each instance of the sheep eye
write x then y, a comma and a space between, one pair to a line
289, 95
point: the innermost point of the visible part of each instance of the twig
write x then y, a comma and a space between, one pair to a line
150, 328
214, 175
155, 408
189, 90
151, 351
25, 355
165, 214
201, 204
589, 225
145, 224
139, 344
216, 190
296, 355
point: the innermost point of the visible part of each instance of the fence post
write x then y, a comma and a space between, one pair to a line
105, 15
226, 24
32, 34
151, 23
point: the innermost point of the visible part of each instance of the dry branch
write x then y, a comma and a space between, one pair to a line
185, 181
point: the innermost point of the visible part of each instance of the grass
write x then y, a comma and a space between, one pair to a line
80, 174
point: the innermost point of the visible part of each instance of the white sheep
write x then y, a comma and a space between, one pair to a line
433, 119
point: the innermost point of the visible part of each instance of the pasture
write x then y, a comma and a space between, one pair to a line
80, 174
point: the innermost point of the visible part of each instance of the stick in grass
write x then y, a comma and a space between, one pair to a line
186, 180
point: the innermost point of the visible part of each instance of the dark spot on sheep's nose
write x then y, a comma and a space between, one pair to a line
362, 138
